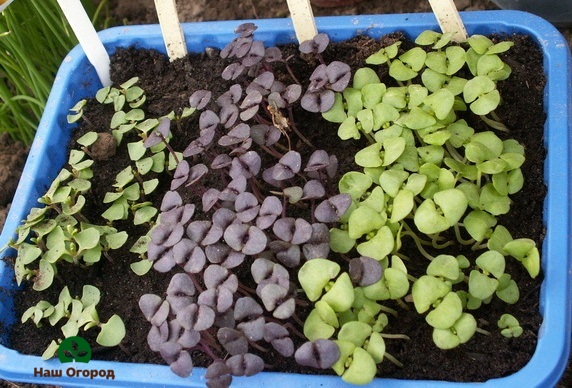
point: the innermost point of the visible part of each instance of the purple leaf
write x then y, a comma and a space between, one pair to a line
232, 71
265, 79
264, 269
273, 54
209, 198
197, 230
339, 75
222, 254
321, 354
189, 338
245, 364
217, 276
331, 209
313, 189
181, 174
246, 207
236, 135
320, 101
272, 295
276, 100
181, 291
157, 336
171, 199
292, 93
287, 166
319, 160
218, 375
160, 133
208, 120
170, 351
287, 253
232, 340
250, 105
229, 115
269, 211
246, 29
255, 54
246, 308
220, 298
318, 79
249, 240
165, 263
365, 271
196, 261
223, 217
319, 244
149, 304
234, 188
167, 235
247, 164
221, 161
196, 317
265, 134
295, 231
196, 173
200, 98
181, 214
253, 329
183, 250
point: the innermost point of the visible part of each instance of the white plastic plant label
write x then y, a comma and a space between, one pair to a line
4, 4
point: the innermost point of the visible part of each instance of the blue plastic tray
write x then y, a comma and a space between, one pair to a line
76, 79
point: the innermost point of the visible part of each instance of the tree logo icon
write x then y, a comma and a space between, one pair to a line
74, 349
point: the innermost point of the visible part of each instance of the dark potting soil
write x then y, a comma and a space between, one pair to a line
168, 87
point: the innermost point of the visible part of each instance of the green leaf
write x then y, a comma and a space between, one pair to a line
141, 267
112, 332
383, 55
341, 295
337, 113
444, 266
88, 139
402, 205
87, 239
136, 150
51, 350
479, 224
372, 94
116, 240
90, 295
355, 184
369, 156
45, 275
362, 368
379, 246
355, 332
315, 274
340, 241
365, 76
427, 290
446, 313
461, 332
348, 129
144, 215
150, 186
315, 327
481, 286
441, 102
492, 262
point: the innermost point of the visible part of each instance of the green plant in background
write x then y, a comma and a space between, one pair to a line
429, 177
34, 38
80, 313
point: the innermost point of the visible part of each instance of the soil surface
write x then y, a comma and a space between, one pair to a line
425, 362
482, 358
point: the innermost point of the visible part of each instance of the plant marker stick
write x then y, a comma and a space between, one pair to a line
303, 19
4, 4
449, 19
87, 37
171, 29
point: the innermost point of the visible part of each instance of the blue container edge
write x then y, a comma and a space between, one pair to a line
552, 351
